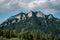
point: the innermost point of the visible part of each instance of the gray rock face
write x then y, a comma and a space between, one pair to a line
40, 14
18, 17
30, 14
23, 17
50, 16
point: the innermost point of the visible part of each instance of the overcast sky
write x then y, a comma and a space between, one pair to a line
12, 7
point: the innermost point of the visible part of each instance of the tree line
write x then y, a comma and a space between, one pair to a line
26, 35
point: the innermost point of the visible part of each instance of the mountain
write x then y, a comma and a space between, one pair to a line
32, 21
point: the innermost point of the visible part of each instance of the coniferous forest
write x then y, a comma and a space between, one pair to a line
30, 26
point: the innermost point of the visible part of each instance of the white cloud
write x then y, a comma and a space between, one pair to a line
47, 5
1, 1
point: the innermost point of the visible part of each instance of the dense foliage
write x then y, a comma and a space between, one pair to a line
25, 35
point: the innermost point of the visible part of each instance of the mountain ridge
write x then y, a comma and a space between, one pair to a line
33, 21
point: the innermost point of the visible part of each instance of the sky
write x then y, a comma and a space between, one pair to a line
12, 7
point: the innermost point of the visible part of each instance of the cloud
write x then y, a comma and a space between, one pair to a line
43, 5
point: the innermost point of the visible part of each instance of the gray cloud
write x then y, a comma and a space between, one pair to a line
24, 5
